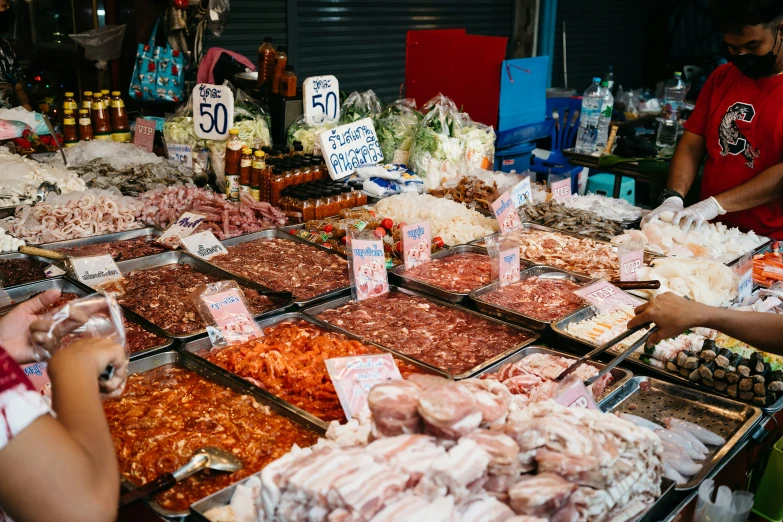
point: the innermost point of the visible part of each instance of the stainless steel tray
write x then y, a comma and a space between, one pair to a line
656, 400
17, 255
512, 315
199, 345
619, 375
282, 299
195, 364
279, 233
559, 328
105, 238
337, 303
398, 276
8, 211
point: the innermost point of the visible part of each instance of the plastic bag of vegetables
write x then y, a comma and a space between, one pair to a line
307, 134
395, 127
360, 105
252, 121
479, 140
178, 129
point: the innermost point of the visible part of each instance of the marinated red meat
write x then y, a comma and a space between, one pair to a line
285, 265
542, 299
20, 271
119, 250
289, 363
445, 337
459, 273
164, 296
166, 414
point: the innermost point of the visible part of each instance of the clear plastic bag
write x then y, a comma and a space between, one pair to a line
307, 133
437, 151
395, 127
217, 16
360, 105
101, 44
728, 506
479, 142
251, 120
224, 308
503, 250
366, 265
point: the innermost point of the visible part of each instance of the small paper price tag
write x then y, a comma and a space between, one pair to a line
368, 268
53, 271
416, 244
204, 245
180, 153
183, 227
95, 271
509, 266
606, 297
631, 260
506, 213
561, 189
144, 136
576, 395
213, 111
521, 193
353, 377
231, 322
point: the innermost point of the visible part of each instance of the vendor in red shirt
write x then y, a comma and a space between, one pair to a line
738, 125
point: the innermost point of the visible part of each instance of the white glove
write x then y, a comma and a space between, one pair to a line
695, 215
672, 204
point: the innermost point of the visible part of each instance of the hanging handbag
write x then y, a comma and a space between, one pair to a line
158, 75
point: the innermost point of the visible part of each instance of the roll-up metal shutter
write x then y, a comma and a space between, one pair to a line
250, 21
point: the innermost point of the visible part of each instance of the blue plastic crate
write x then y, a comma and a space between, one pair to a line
603, 185
514, 158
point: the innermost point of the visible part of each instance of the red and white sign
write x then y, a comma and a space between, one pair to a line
368, 268
508, 270
561, 189
506, 213
416, 244
145, 134
231, 317
606, 297
630, 262
353, 377
577, 396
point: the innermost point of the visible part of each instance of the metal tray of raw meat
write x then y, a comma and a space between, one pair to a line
24, 292
559, 328
204, 343
17, 255
223, 378
655, 400
337, 303
282, 300
510, 314
278, 233
150, 232
619, 375
398, 276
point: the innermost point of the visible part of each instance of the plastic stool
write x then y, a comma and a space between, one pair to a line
769, 503
603, 184
517, 157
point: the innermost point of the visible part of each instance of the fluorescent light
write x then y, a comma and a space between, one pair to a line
101, 12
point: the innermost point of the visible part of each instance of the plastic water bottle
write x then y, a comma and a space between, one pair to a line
609, 78
605, 118
672, 101
588, 119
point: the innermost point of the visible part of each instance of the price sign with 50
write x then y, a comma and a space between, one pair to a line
321, 98
213, 111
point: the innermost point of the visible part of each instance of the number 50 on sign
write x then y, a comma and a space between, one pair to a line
213, 111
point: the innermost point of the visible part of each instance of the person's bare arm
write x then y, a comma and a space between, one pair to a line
686, 162
674, 315
68, 462
764, 188
21, 96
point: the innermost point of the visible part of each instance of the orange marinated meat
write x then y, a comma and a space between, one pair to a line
166, 414
459, 273
542, 299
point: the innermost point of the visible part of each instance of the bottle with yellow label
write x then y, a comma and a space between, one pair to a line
69, 102
259, 166
70, 128
119, 118
245, 166
101, 121
87, 101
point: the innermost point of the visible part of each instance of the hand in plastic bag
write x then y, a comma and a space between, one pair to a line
14, 327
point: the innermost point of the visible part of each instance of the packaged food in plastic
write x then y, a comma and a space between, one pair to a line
479, 143
366, 265
503, 250
436, 150
307, 133
224, 308
395, 127
252, 121
360, 105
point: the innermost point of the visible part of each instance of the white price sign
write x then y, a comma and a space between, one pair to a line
181, 153
96, 270
321, 98
213, 111
521, 193
204, 245
183, 227
349, 146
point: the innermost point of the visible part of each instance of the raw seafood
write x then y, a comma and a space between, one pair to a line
78, 214
121, 250
555, 215
166, 414
162, 207
608, 208
20, 178
768, 267
702, 280
711, 240
700, 432
602, 327
458, 273
445, 337
452, 221
284, 265
542, 299
9, 243
20, 271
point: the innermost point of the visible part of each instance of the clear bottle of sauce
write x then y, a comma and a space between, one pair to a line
119, 119
70, 128
87, 101
101, 122
266, 62
281, 60
259, 166
245, 165
276, 186
298, 149
288, 82
85, 125
307, 172
105, 96
69, 102
288, 175
349, 198
298, 173
231, 165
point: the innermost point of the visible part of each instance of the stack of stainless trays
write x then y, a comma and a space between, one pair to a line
279, 233
22, 293
195, 364
282, 299
656, 400
148, 232
200, 345
512, 315
532, 336
33, 259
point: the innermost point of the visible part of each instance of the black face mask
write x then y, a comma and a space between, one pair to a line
7, 19
755, 66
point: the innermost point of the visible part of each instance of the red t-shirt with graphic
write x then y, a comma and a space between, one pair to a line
741, 120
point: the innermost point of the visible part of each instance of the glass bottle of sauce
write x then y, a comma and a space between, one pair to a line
349, 198
119, 118
307, 171
70, 128
105, 95
101, 124
361, 198
308, 209
85, 125
266, 62
245, 165
276, 186
288, 82
257, 170
298, 173
288, 175
87, 102
69, 102
320, 204
266, 178
298, 149
318, 168
281, 60
231, 165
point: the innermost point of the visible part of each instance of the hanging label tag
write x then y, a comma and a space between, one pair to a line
180, 153
95, 271
561, 189
232, 320
183, 227
577, 396
347, 147
213, 111
521, 193
204, 245
53, 271
321, 98
606, 297
144, 135
368, 268
353, 377
509, 266
416, 244
506, 213
630, 262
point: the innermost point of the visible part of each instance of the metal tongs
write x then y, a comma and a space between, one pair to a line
622, 285
623, 355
